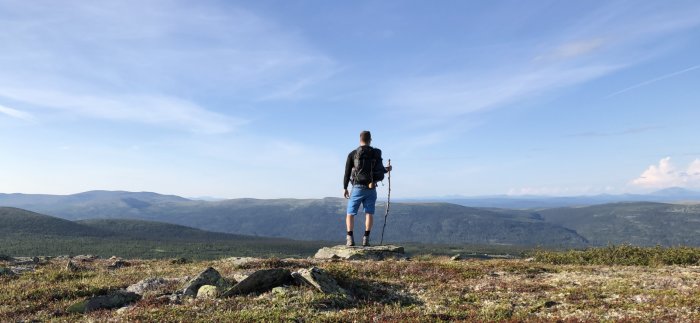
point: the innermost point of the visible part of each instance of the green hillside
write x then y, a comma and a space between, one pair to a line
25, 233
640, 223
151, 230
14, 221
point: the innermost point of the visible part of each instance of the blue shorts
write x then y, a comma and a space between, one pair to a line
362, 195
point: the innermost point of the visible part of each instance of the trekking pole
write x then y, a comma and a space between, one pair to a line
388, 204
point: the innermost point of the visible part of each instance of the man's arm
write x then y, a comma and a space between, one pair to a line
381, 162
348, 169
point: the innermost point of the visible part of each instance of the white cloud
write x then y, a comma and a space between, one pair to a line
147, 109
16, 113
665, 174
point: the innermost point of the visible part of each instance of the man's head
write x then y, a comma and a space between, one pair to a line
365, 137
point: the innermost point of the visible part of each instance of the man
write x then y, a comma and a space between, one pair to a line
364, 168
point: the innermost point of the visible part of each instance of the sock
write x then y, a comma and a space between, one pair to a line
366, 233
350, 233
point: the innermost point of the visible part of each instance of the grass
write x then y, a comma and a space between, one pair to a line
429, 288
46, 245
625, 255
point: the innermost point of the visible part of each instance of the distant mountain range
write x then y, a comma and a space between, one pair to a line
668, 195
641, 223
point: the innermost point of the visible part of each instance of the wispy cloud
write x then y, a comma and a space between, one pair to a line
596, 45
654, 80
159, 62
628, 131
666, 174
147, 109
16, 113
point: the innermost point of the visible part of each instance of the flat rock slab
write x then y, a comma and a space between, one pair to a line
319, 279
361, 253
260, 281
151, 285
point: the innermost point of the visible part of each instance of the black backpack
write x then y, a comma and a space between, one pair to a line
367, 166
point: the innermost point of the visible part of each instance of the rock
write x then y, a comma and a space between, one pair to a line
175, 298
72, 267
85, 258
241, 261
36, 260
456, 257
319, 279
150, 284
240, 276
208, 292
118, 264
4, 271
6, 258
23, 269
179, 261
116, 299
260, 281
361, 253
207, 277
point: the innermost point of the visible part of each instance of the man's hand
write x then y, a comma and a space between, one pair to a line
388, 168
346, 194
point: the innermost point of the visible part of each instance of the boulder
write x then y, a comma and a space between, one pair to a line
150, 284
260, 281
361, 253
319, 279
179, 261
175, 298
115, 299
207, 277
208, 292
4, 271
241, 261
72, 267
118, 264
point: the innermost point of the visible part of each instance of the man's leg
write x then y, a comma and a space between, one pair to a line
369, 220
369, 203
353, 206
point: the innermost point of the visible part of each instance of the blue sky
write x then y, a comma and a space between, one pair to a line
266, 98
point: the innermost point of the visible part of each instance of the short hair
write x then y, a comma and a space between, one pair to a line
365, 136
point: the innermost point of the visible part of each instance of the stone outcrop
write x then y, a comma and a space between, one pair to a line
151, 285
361, 253
260, 281
118, 264
319, 279
115, 299
4, 271
72, 267
241, 261
207, 277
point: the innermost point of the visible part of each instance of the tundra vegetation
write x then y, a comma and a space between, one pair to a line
615, 283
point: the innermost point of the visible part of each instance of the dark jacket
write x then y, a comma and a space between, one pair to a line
350, 163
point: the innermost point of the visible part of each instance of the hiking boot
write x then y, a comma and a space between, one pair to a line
349, 241
365, 241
